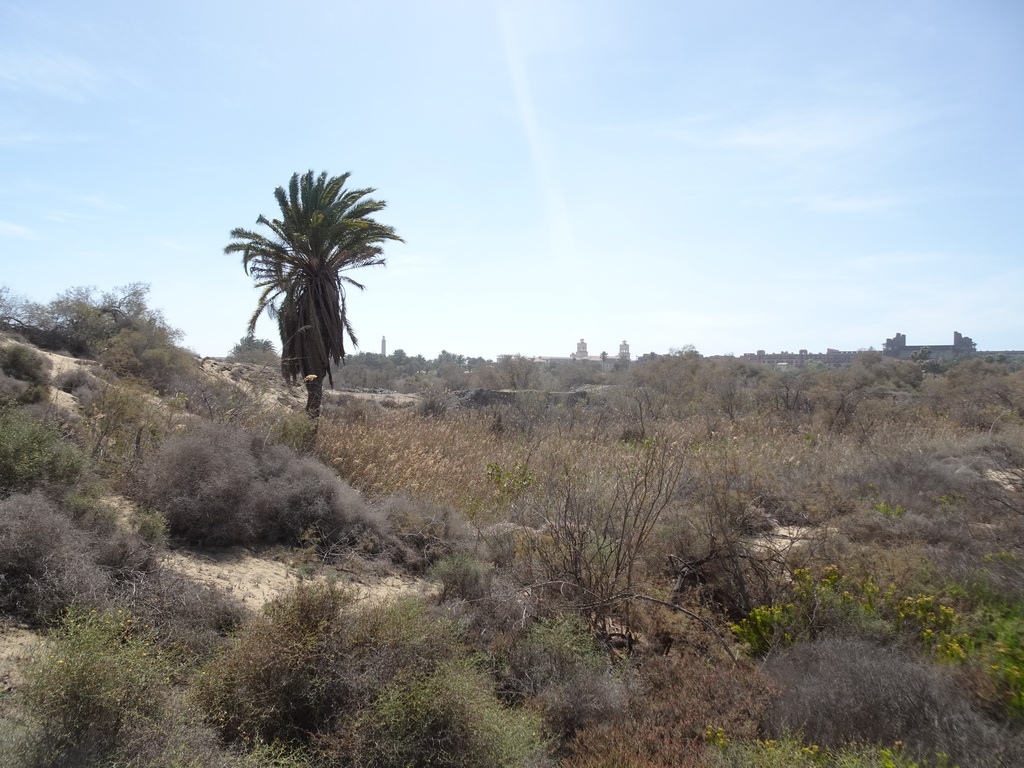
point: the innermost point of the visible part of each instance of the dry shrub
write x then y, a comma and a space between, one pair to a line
734, 492
316, 661
201, 389
187, 618
123, 553
433, 405
496, 617
275, 679
1001, 485
10, 388
78, 382
916, 477
14, 392
673, 701
202, 483
53, 555
46, 562
843, 691
220, 486
559, 667
387, 451
590, 529
873, 528
979, 395
429, 531
462, 577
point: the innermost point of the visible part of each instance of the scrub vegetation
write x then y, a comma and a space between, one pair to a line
685, 561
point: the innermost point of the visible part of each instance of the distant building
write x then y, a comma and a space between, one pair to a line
897, 347
582, 354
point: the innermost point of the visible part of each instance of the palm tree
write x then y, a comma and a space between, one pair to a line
324, 231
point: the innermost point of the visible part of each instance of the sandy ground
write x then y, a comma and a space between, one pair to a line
256, 578
16, 643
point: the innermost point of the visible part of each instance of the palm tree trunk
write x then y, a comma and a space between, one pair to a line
314, 397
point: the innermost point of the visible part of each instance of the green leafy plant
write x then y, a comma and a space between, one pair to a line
890, 511
97, 674
25, 364
34, 453
462, 576
448, 718
833, 602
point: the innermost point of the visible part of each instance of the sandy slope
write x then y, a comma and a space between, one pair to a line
253, 577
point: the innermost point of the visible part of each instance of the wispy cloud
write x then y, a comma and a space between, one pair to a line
7, 229
49, 72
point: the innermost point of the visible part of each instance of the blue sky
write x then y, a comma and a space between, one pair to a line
733, 175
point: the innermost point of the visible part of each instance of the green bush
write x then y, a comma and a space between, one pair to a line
558, 665
842, 605
151, 526
96, 674
462, 577
315, 662
384, 641
275, 681
449, 718
294, 429
255, 351
33, 454
147, 351
25, 364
